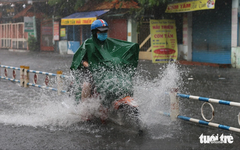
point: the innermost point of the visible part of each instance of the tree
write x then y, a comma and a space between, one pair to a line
147, 7
152, 3
150, 8
63, 3
65, 7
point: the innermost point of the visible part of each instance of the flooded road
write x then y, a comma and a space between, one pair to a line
35, 119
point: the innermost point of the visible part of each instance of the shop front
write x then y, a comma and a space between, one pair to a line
75, 29
207, 30
211, 34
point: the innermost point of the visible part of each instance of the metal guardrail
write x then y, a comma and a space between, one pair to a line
24, 78
6, 73
211, 100
174, 96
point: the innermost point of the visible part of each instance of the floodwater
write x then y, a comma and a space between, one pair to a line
32, 118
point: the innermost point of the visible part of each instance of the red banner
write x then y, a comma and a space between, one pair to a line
56, 31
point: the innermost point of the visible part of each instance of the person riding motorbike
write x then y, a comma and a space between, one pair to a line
108, 66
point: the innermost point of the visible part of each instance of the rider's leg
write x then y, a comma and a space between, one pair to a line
86, 91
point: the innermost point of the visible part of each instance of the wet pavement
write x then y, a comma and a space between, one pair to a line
34, 119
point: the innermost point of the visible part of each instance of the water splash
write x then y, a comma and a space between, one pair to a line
43, 108
152, 96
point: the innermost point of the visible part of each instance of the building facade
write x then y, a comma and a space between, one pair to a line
212, 36
77, 26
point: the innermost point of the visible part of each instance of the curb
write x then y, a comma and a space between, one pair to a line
184, 62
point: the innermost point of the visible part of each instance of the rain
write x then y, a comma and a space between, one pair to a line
166, 75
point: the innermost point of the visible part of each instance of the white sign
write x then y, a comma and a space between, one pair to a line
28, 24
216, 139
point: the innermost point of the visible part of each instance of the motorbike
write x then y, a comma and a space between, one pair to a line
124, 111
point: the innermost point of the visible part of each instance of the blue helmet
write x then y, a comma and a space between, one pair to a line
99, 24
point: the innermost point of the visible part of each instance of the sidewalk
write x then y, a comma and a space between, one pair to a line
4, 54
184, 62
41, 61
52, 62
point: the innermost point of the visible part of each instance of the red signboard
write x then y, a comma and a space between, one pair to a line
56, 31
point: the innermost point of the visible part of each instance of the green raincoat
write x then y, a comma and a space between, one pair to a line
112, 64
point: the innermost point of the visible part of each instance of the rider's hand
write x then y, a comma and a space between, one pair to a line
85, 64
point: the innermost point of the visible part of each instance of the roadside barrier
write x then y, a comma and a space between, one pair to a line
174, 97
24, 78
6, 73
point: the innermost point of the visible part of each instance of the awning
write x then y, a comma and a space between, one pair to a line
82, 18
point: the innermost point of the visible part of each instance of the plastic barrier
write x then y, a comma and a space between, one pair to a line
174, 97
24, 78
6, 73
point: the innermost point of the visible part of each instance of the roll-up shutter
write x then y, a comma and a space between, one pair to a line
211, 34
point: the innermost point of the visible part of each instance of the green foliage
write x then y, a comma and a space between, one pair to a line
151, 3
78, 4
150, 7
54, 2
32, 43
66, 6
63, 8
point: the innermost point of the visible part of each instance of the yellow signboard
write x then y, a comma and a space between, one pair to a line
190, 6
163, 41
63, 32
78, 21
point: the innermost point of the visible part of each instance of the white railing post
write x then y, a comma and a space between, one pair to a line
22, 76
59, 82
174, 101
26, 76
